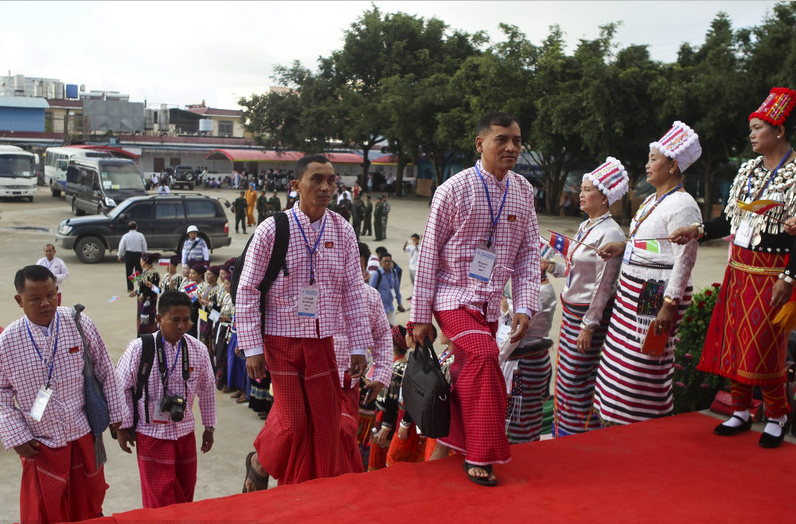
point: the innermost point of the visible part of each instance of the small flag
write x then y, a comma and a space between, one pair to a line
156, 290
113, 298
653, 246
760, 206
190, 287
203, 315
546, 250
560, 243
163, 262
135, 277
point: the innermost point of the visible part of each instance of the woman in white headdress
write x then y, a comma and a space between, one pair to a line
587, 299
634, 378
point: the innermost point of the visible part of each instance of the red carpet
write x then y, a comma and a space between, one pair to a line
670, 470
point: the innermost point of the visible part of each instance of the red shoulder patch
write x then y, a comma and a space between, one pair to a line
328, 245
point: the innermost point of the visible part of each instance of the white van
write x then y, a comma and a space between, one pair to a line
55, 163
17, 172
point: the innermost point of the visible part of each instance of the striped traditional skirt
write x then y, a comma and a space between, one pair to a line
576, 372
632, 386
529, 377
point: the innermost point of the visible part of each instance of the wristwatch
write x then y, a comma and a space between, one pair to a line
210, 429
700, 229
670, 300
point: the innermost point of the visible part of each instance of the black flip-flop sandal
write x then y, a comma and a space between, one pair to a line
259, 481
481, 481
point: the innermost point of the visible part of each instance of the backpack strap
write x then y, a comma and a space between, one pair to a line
277, 261
142, 377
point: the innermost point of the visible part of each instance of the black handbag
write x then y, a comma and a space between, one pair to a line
426, 393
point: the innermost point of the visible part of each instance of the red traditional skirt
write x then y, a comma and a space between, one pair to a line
62, 484
742, 342
349, 456
167, 469
413, 449
301, 438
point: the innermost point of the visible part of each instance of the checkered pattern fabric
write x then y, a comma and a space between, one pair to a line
337, 274
167, 469
478, 397
460, 222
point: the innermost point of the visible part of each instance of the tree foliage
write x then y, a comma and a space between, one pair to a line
416, 87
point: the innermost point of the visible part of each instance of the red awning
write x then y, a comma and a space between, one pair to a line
387, 160
253, 155
115, 151
257, 155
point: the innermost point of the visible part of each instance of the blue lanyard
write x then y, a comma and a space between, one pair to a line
55, 346
314, 248
770, 178
173, 364
647, 213
494, 219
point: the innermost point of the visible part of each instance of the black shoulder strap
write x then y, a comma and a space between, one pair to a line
279, 253
142, 377
378, 279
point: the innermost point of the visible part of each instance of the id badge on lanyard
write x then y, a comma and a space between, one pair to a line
743, 235
628, 252
308, 302
483, 262
40, 404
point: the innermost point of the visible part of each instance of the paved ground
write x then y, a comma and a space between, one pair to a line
26, 227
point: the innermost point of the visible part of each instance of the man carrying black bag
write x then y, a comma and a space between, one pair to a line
481, 230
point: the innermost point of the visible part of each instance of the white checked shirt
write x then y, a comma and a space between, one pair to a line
381, 350
23, 373
460, 222
58, 268
201, 383
337, 275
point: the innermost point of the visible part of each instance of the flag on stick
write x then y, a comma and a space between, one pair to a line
560, 243
653, 246
760, 206
135, 277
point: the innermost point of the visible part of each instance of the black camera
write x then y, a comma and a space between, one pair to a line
174, 405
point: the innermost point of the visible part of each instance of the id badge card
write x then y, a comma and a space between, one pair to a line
483, 262
503, 332
628, 252
743, 235
158, 416
40, 404
308, 302
214, 315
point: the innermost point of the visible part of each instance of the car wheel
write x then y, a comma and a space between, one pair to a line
55, 192
75, 209
190, 187
30, 199
90, 250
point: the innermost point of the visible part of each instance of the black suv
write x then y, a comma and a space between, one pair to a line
162, 219
184, 176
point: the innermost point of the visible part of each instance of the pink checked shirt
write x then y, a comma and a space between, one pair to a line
459, 222
23, 373
201, 383
381, 350
337, 274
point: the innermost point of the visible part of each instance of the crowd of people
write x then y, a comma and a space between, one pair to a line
303, 327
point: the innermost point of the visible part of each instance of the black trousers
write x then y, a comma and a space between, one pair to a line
132, 262
242, 222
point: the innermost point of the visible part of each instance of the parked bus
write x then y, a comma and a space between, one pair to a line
55, 163
17, 172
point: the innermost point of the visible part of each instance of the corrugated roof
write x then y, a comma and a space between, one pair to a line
26, 102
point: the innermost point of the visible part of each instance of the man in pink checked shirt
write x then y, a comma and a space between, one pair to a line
481, 231
42, 403
300, 440
165, 440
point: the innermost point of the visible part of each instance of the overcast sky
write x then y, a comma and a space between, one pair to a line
180, 53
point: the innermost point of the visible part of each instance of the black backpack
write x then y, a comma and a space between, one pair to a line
276, 263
